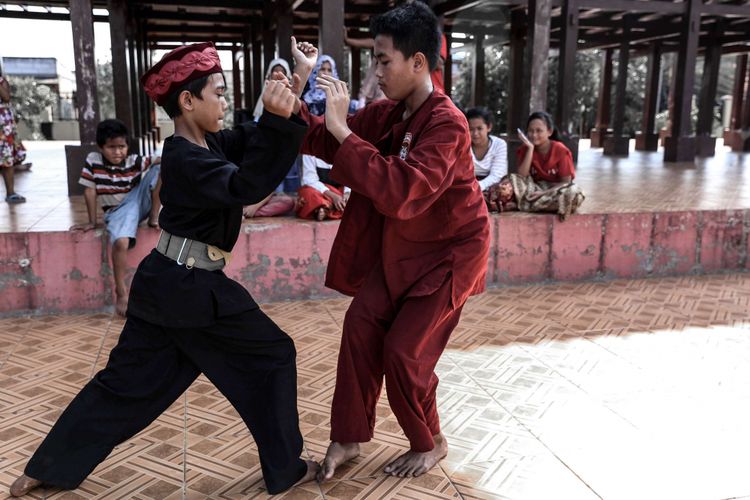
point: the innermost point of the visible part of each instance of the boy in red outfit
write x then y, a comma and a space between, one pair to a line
413, 243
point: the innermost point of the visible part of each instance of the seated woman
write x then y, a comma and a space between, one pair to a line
544, 182
315, 97
320, 197
490, 155
276, 203
277, 65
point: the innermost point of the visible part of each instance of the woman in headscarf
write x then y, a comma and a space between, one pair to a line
316, 97
276, 203
278, 64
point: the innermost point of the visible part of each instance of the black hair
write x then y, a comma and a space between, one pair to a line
110, 129
195, 87
547, 119
480, 112
413, 28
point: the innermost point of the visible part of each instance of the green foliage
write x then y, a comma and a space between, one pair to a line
497, 84
105, 90
586, 85
31, 102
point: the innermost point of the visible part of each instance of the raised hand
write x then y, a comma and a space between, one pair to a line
278, 98
337, 106
305, 55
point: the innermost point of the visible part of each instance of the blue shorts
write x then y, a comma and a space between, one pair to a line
122, 221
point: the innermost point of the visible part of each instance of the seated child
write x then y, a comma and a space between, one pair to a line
127, 188
490, 156
544, 182
320, 197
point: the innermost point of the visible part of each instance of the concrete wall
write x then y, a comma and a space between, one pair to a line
284, 258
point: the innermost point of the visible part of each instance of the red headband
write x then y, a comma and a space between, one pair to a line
178, 67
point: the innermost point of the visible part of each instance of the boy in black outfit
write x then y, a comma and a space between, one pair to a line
184, 315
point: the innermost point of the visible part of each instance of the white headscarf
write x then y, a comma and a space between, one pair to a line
276, 62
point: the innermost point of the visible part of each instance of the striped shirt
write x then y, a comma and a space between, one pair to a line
112, 182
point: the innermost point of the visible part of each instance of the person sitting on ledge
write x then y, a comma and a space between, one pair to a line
544, 182
490, 155
127, 188
320, 197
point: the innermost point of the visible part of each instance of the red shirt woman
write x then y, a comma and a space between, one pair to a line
544, 157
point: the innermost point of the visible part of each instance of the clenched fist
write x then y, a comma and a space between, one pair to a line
278, 98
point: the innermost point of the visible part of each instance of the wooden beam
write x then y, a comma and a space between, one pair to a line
566, 66
331, 30
537, 52
679, 146
631, 6
118, 14
87, 101
47, 16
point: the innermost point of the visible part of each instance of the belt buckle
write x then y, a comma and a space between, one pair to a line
189, 262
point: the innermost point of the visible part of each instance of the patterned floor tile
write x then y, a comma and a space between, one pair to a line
617, 390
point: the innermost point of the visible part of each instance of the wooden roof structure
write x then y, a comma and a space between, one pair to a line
258, 30
599, 20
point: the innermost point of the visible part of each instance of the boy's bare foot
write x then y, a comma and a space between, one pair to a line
153, 221
313, 468
413, 464
121, 303
337, 454
23, 485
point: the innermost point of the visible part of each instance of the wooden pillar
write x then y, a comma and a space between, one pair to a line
618, 144
647, 139
705, 145
680, 145
355, 71
448, 67
284, 30
118, 17
518, 109
236, 78
331, 30
732, 134
268, 34
604, 103
87, 102
743, 141
135, 94
478, 80
83, 48
258, 67
566, 75
247, 72
518, 101
145, 114
537, 53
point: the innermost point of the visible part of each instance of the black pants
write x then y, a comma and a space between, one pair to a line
247, 357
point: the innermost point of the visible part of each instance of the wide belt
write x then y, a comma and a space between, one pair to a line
191, 253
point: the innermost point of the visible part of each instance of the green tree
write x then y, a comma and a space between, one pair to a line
32, 103
497, 87
105, 89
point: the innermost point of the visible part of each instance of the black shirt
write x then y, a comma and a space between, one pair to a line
202, 195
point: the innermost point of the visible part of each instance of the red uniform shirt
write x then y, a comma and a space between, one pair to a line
552, 167
415, 208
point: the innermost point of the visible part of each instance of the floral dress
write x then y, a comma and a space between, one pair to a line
12, 151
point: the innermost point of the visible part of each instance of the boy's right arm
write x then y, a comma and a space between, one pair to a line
89, 194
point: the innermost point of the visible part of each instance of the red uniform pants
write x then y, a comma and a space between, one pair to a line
402, 341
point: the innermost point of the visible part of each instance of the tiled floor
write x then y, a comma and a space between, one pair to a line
630, 390
639, 183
